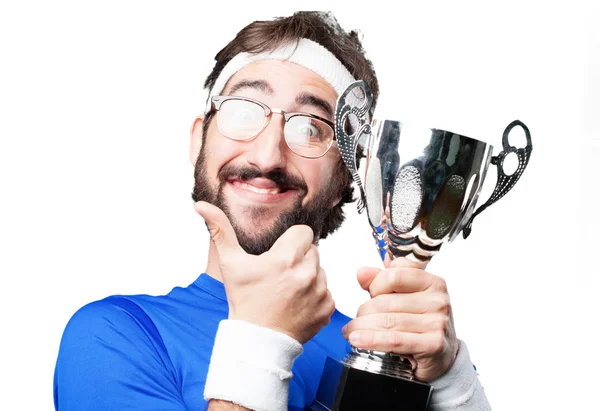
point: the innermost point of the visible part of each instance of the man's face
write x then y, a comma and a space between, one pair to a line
264, 187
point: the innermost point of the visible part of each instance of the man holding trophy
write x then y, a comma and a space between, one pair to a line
289, 107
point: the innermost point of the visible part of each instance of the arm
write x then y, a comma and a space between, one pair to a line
277, 301
218, 405
459, 388
410, 314
251, 366
111, 357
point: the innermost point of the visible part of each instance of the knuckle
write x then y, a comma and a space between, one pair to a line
288, 259
331, 307
323, 319
442, 303
215, 235
307, 279
322, 292
442, 323
397, 340
362, 309
438, 343
313, 277
323, 276
393, 279
312, 257
312, 254
388, 321
440, 284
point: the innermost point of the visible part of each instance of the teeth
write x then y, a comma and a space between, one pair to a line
259, 190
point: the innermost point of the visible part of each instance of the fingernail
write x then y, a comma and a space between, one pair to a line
344, 329
354, 338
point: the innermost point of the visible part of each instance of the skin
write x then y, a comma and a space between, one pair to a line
285, 289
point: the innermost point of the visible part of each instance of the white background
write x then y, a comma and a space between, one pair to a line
96, 101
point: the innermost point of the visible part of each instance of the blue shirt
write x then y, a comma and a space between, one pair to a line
152, 353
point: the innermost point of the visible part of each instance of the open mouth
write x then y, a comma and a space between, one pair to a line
261, 187
275, 190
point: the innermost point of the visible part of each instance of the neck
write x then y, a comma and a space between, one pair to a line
212, 267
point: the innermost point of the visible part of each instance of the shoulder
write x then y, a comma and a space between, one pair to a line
114, 332
111, 310
113, 320
111, 356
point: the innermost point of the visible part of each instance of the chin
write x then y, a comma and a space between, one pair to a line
251, 217
255, 221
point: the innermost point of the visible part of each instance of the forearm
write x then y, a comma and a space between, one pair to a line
250, 365
219, 405
459, 389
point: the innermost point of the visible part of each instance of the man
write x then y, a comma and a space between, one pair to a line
254, 330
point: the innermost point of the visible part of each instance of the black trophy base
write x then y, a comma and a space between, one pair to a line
343, 388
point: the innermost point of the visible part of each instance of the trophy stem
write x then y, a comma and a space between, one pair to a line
378, 362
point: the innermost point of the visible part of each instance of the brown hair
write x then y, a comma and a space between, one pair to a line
322, 28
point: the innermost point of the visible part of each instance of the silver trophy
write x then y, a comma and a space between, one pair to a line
420, 188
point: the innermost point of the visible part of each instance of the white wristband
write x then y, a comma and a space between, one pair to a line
459, 387
251, 366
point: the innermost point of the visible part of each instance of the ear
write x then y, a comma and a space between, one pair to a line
196, 139
336, 201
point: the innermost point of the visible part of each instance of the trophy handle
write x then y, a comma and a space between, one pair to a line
505, 182
352, 109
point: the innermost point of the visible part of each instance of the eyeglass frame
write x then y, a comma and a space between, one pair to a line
217, 101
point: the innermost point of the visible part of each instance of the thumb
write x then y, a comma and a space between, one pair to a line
219, 227
366, 275
407, 262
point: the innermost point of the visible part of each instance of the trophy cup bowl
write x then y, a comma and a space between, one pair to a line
420, 188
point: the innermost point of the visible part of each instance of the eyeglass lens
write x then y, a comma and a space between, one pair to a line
304, 135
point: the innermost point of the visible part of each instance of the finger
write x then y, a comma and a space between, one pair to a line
389, 341
221, 231
305, 268
327, 307
313, 258
414, 323
322, 278
366, 275
401, 280
331, 308
406, 262
298, 237
415, 303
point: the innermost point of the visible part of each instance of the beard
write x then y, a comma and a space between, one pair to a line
314, 214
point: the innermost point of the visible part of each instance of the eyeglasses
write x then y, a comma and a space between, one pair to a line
241, 118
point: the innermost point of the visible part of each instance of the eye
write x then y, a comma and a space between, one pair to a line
243, 116
309, 130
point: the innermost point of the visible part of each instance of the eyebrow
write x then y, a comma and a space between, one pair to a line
303, 99
307, 99
261, 85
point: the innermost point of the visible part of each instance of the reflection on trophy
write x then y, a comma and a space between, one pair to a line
420, 188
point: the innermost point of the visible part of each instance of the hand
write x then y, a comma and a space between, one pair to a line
409, 313
284, 289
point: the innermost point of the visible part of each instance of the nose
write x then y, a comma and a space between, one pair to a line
268, 150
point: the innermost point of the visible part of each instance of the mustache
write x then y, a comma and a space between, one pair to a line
278, 176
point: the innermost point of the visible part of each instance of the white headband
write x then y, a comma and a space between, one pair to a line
308, 54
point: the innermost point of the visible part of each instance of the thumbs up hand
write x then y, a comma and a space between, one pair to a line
284, 289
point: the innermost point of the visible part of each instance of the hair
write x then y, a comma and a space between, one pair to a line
322, 28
